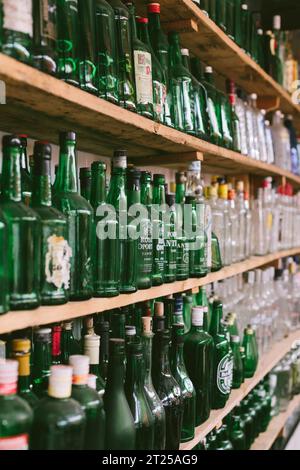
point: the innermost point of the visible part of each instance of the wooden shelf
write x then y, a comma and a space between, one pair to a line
267, 439
46, 315
278, 351
208, 42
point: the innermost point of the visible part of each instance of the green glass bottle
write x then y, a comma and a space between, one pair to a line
180, 374
56, 345
159, 201
170, 237
213, 108
87, 67
182, 261
145, 242
250, 363
276, 48
222, 369
167, 389
178, 310
211, 441
17, 32
169, 311
59, 421
55, 250
235, 122
106, 52
120, 427
92, 350
4, 293
41, 361
198, 355
230, 12
23, 232
158, 77
79, 214
68, 41
159, 318
91, 403
181, 88
102, 329
221, 14
21, 349
246, 419
154, 402
202, 301
245, 27
85, 178
237, 435
124, 55
44, 54
160, 46
223, 442
117, 324
26, 182
238, 367
237, 22
188, 301
69, 345
130, 338
226, 121
15, 414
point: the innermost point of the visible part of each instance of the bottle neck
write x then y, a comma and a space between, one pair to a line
180, 193
177, 355
98, 189
42, 193
11, 175
147, 341
146, 194
116, 373
215, 321
24, 371
175, 53
186, 62
159, 194
197, 328
132, 22
117, 196
135, 372
42, 358
67, 178
133, 196
162, 364
154, 21
24, 159
143, 33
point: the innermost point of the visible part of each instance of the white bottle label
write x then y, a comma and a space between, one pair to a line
18, 16
143, 77
57, 263
224, 374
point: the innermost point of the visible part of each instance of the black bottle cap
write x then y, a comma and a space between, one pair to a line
67, 136
120, 153
85, 173
133, 178
42, 158
11, 141
170, 199
43, 335
159, 179
98, 166
146, 176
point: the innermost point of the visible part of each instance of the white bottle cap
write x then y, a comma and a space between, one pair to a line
60, 382
147, 325
8, 377
92, 381
253, 96
67, 326
244, 6
208, 69
92, 348
159, 309
130, 330
197, 316
277, 22
185, 52
81, 367
120, 162
260, 32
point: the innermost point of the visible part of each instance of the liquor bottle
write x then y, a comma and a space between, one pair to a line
17, 24
198, 355
69, 345
235, 122
211, 441
91, 403
55, 250
117, 324
295, 157
120, 427
102, 329
230, 17
137, 399
237, 434
234, 221
201, 300
160, 46
159, 201
80, 218
247, 420
223, 206
124, 55
44, 53
145, 245
21, 349
59, 421
250, 363
41, 361
169, 311
181, 88
213, 108
159, 318
180, 374
15, 414
23, 232
130, 338
87, 67
223, 442
178, 310
92, 350
182, 260
154, 402
188, 300
170, 267
158, 77
106, 52
276, 48
237, 22
226, 120
85, 178
68, 41
222, 368
129, 246
167, 389
221, 13
238, 367
4, 282
26, 182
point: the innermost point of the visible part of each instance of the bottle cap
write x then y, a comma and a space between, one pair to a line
60, 382
197, 316
92, 348
208, 69
81, 366
185, 52
11, 141
223, 191
23, 138
277, 22
260, 32
244, 6
130, 331
92, 381
56, 341
133, 178
21, 346
146, 176
64, 137
67, 326
21, 352
253, 96
8, 377
240, 186
98, 166
147, 325
170, 200
159, 309
120, 159
85, 172
143, 20
42, 335
153, 8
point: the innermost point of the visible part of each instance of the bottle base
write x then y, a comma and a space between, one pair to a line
106, 295
53, 301
80, 297
24, 304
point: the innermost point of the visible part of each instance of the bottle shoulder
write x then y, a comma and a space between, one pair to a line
18, 211
47, 213
14, 409
87, 397
69, 201
65, 411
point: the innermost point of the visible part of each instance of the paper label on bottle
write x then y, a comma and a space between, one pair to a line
18, 16
15, 443
47, 17
143, 77
57, 263
224, 374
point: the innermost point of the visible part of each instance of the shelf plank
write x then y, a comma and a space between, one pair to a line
276, 426
46, 315
215, 48
277, 352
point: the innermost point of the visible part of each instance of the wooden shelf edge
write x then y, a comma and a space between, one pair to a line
277, 352
20, 320
267, 439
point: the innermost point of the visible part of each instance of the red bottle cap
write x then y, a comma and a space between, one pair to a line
140, 19
154, 8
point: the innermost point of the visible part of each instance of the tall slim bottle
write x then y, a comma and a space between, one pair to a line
80, 218
167, 389
44, 54
4, 282
170, 241
55, 250
87, 41
159, 201
120, 428
21, 349
145, 243
26, 182
41, 361
69, 345
23, 232
213, 107
198, 355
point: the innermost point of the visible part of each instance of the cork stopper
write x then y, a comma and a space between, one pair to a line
147, 325
159, 309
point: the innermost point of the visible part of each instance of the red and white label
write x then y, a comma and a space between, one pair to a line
15, 443
8, 389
